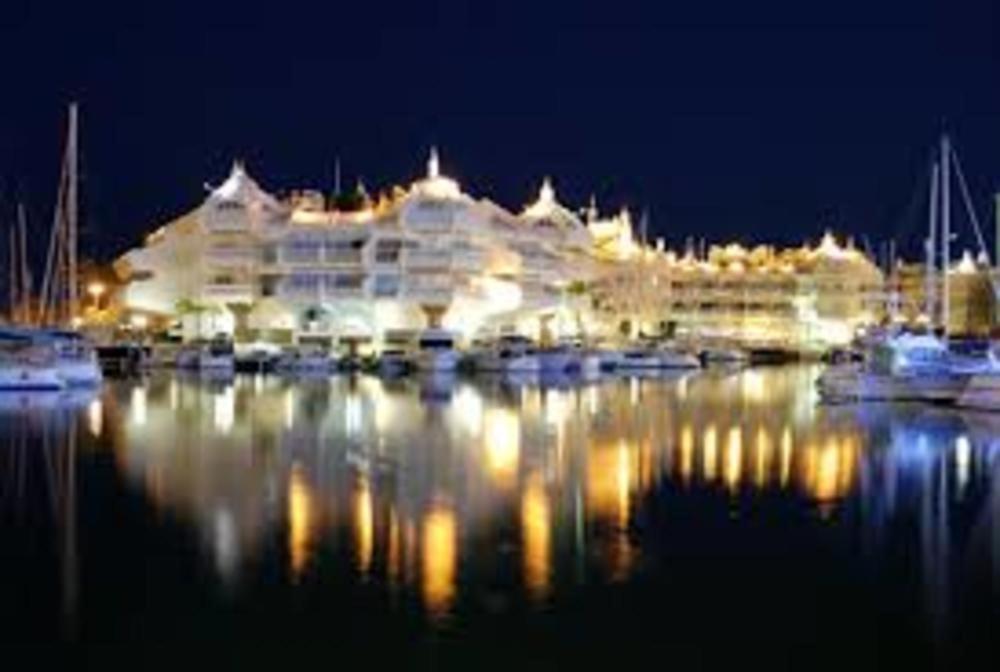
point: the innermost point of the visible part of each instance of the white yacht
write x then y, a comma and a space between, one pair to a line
394, 362
75, 357
726, 355
981, 393
903, 367
639, 358
305, 359
510, 354
26, 365
672, 357
591, 363
216, 356
610, 358
558, 359
436, 351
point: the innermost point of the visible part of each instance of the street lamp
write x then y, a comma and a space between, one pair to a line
96, 291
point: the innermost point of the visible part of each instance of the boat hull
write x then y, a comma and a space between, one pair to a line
20, 378
853, 384
86, 373
510, 364
437, 361
982, 393
557, 361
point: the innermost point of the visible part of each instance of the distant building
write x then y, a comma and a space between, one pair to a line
973, 306
803, 299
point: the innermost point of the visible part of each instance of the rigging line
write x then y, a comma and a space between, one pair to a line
967, 199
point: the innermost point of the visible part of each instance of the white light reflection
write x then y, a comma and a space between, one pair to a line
469, 407
289, 400
224, 543
352, 415
95, 417
139, 409
963, 461
224, 410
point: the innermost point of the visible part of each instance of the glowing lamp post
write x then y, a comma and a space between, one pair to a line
96, 290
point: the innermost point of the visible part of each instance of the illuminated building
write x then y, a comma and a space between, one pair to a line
801, 299
971, 290
246, 262
257, 267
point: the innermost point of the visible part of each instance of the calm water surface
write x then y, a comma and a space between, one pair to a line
693, 521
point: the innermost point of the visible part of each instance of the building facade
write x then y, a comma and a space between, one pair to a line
248, 264
429, 255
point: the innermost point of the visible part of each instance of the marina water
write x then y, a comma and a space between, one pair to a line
719, 517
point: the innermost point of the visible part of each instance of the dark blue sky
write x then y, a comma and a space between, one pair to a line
756, 120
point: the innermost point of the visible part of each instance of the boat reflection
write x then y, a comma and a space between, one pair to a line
429, 476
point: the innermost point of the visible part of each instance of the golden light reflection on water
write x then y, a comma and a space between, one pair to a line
364, 525
687, 453
734, 458
536, 531
406, 482
828, 470
300, 520
709, 453
439, 544
502, 445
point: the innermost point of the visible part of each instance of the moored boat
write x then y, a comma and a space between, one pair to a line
216, 356
639, 358
436, 351
511, 354
558, 359
26, 365
304, 359
902, 367
676, 358
75, 357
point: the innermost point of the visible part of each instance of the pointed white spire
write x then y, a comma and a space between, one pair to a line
546, 194
433, 165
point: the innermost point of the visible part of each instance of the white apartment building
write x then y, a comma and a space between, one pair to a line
426, 255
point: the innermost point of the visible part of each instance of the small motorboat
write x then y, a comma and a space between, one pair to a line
394, 362
216, 356
676, 358
436, 351
511, 354
639, 358
558, 359
726, 355
305, 360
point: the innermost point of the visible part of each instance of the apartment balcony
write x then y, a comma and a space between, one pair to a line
432, 294
299, 293
343, 257
228, 292
427, 259
230, 257
469, 260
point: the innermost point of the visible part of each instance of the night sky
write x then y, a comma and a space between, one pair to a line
750, 120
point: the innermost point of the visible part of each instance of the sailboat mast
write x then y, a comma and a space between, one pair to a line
13, 276
930, 281
25, 280
945, 231
71, 215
